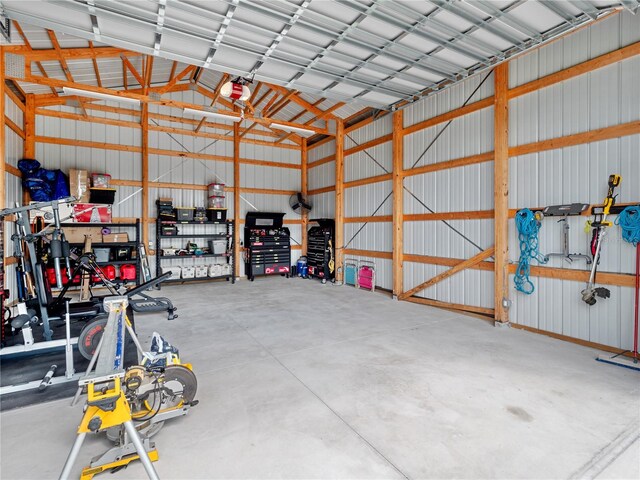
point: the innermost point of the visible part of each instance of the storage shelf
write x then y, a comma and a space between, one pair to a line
199, 279
190, 222
117, 262
105, 245
202, 235
89, 224
167, 257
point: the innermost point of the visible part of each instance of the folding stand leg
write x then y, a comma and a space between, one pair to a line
73, 454
142, 453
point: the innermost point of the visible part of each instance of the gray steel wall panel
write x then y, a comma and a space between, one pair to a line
368, 163
449, 99
322, 151
324, 205
363, 201
374, 236
377, 129
322, 176
13, 112
602, 98
13, 148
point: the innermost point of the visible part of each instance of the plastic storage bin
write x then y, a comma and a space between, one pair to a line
185, 214
216, 202
188, 272
226, 269
128, 272
176, 273
218, 246
102, 254
216, 189
217, 214
100, 180
215, 270
201, 271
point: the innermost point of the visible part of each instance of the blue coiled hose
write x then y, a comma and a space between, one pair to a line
528, 227
629, 221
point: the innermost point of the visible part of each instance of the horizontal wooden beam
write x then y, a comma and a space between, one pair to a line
603, 278
322, 161
449, 164
91, 119
597, 135
577, 341
368, 253
445, 261
452, 115
580, 69
43, 55
469, 215
155, 99
318, 191
369, 144
448, 273
452, 306
157, 151
372, 219
367, 181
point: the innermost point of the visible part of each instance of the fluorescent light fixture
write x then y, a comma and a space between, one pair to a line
206, 113
101, 96
290, 128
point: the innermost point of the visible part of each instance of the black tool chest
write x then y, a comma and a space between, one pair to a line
320, 249
267, 245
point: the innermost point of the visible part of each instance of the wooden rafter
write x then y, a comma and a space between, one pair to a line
63, 64
125, 82
176, 79
297, 99
85, 53
28, 45
214, 99
448, 273
95, 65
128, 65
148, 75
326, 113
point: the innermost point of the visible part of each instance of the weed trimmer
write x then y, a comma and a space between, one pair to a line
629, 221
600, 225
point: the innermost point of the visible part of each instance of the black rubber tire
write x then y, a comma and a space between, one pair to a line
90, 336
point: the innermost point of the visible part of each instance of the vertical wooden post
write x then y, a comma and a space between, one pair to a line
144, 123
236, 198
339, 208
29, 146
501, 189
3, 191
398, 204
304, 188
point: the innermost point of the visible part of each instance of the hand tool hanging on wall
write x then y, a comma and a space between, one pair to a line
629, 221
599, 226
566, 211
528, 225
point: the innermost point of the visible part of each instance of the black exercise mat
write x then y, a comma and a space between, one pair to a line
23, 368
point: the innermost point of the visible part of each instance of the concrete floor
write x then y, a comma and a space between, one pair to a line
300, 380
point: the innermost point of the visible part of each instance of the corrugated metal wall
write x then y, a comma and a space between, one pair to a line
322, 176
602, 98
454, 190
171, 169
605, 97
13, 186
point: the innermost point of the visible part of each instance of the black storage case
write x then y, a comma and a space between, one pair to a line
267, 244
320, 242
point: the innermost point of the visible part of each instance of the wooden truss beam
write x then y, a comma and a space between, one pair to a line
448, 273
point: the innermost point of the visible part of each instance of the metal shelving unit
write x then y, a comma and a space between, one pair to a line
228, 234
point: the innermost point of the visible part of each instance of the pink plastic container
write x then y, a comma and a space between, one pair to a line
367, 277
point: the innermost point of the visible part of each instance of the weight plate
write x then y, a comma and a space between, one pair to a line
90, 336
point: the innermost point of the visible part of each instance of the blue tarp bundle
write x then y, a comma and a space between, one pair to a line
43, 185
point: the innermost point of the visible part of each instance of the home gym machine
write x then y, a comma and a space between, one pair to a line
36, 308
130, 405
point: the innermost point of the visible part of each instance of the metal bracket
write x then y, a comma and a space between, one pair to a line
5, 29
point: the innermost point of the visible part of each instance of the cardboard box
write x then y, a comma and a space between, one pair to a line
79, 184
65, 211
115, 237
77, 234
92, 213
